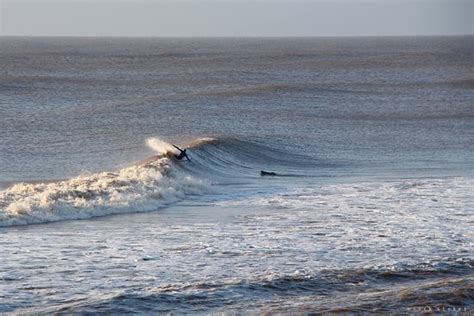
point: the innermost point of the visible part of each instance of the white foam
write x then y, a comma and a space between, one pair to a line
423, 194
160, 146
200, 141
133, 189
365, 223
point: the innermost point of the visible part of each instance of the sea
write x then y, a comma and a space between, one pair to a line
366, 205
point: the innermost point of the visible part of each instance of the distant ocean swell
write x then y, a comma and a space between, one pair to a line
397, 288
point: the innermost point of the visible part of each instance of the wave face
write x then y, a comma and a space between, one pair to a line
139, 188
235, 158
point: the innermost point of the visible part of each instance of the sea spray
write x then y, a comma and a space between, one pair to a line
160, 146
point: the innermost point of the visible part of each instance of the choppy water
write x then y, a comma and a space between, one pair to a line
372, 210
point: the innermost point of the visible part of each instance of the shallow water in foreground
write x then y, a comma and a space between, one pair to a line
364, 246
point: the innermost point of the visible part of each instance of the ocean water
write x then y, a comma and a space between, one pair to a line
371, 209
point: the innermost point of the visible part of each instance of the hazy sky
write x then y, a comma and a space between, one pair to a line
235, 17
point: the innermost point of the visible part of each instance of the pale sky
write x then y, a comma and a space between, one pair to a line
235, 17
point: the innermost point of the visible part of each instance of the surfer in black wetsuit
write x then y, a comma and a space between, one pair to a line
182, 153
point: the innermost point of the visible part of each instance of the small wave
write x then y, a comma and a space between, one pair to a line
154, 183
218, 159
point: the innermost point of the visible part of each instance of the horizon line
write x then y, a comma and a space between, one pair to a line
238, 36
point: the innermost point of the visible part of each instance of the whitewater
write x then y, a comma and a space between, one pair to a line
144, 187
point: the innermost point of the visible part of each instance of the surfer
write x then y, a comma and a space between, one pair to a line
267, 173
182, 153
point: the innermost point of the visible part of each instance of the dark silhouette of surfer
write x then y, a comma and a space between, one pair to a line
267, 173
182, 153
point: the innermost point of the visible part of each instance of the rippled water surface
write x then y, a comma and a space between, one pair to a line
371, 208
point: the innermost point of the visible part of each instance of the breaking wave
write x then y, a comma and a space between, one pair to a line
144, 187
133, 189
155, 183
